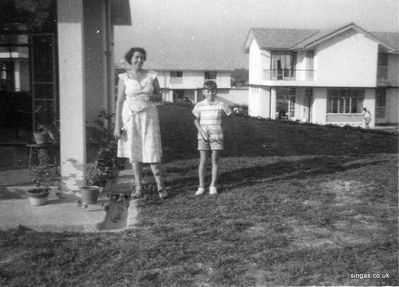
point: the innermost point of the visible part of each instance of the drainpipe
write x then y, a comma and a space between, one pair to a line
110, 69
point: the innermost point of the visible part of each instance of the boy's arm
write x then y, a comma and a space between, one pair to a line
226, 110
200, 129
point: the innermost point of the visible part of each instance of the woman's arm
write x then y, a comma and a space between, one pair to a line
118, 110
156, 96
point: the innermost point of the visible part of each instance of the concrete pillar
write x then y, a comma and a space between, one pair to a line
273, 97
72, 86
319, 107
369, 103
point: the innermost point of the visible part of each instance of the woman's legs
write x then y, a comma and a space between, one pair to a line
157, 172
201, 168
136, 166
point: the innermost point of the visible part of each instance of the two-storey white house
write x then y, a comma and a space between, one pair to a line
323, 76
182, 80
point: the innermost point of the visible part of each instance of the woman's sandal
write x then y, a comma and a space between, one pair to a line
163, 194
137, 194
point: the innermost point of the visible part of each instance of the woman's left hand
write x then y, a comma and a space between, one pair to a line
156, 97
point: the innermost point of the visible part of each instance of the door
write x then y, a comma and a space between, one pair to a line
44, 80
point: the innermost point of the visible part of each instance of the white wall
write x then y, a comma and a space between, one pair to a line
301, 66
238, 96
193, 80
258, 61
348, 60
259, 100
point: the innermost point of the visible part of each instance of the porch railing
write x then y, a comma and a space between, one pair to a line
288, 74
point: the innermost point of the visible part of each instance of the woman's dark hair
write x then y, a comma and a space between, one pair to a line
129, 54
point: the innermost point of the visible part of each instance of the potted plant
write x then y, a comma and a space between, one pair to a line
94, 183
46, 177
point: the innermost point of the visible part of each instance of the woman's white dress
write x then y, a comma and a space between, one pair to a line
141, 141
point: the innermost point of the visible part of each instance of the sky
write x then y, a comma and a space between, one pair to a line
215, 30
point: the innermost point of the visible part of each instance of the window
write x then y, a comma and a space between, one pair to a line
345, 101
210, 75
176, 77
283, 65
176, 74
380, 98
178, 95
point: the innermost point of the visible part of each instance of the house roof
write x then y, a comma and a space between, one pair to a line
277, 38
391, 39
297, 39
177, 60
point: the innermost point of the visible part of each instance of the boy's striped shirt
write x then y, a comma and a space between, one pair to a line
210, 117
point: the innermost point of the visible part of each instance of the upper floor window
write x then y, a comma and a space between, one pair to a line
345, 101
210, 75
176, 77
283, 65
176, 74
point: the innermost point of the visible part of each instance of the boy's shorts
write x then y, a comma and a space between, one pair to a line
210, 145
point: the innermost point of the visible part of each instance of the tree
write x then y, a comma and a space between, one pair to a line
239, 77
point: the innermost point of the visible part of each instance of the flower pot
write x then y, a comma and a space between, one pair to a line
38, 196
41, 138
90, 194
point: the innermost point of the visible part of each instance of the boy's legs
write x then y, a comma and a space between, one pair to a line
215, 167
201, 168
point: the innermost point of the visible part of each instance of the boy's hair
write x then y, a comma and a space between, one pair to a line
210, 85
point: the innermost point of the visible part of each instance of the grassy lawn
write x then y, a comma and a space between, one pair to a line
300, 204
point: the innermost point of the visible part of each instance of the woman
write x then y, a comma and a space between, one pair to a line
366, 118
137, 123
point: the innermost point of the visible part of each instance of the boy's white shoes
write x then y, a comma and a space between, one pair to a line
212, 191
200, 191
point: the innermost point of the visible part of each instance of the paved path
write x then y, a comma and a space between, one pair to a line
59, 214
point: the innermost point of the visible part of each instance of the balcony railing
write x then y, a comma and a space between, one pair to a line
288, 75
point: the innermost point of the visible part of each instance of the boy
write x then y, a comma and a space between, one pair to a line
208, 121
